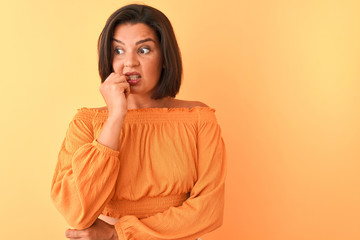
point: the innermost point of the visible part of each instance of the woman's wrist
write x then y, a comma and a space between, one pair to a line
110, 132
116, 118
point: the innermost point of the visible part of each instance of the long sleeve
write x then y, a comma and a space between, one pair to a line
202, 212
85, 175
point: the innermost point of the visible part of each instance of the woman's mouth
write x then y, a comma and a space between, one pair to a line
133, 78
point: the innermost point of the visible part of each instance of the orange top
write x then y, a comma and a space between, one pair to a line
165, 182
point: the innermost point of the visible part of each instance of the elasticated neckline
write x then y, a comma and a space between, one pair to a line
200, 108
151, 114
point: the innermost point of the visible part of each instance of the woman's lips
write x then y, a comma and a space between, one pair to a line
133, 78
133, 82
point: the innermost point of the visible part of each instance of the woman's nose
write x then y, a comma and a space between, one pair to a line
131, 60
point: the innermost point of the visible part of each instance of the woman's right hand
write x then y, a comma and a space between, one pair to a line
115, 90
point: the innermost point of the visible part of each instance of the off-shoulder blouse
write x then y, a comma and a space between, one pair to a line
165, 181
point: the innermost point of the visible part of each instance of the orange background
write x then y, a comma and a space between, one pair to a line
283, 75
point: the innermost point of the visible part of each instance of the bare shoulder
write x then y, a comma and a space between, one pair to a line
101, 108
189, 104
199, 104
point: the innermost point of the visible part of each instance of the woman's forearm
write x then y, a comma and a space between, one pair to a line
110, 132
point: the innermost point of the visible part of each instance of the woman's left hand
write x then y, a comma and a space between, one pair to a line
100, 230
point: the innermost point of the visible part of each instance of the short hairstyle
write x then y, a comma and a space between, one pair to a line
170, 78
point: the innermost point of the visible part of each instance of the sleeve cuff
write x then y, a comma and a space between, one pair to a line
105, 149
119, 231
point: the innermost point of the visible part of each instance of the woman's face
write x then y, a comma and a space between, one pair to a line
137, 54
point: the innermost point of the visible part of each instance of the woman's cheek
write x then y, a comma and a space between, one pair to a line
117, 66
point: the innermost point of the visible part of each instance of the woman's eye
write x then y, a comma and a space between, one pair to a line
119, 51
144, 50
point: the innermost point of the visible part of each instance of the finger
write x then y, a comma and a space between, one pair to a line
126, 88
122, 78
113, 77
74, 234
110, 76
115, 80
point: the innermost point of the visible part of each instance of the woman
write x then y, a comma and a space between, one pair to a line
146, 166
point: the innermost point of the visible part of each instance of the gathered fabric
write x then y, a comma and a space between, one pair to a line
165, 181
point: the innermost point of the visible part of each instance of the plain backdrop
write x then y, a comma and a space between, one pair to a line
282, 75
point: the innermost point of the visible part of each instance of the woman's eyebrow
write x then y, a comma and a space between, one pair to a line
137, 43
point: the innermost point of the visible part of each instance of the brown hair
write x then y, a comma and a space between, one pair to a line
170, 78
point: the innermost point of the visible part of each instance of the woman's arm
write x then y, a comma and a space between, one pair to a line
115, 90
110, 132
86, 172
88, 168
99, 230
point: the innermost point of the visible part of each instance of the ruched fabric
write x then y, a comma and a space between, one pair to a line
166, 181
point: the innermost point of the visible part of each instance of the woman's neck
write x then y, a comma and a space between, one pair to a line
135, 102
